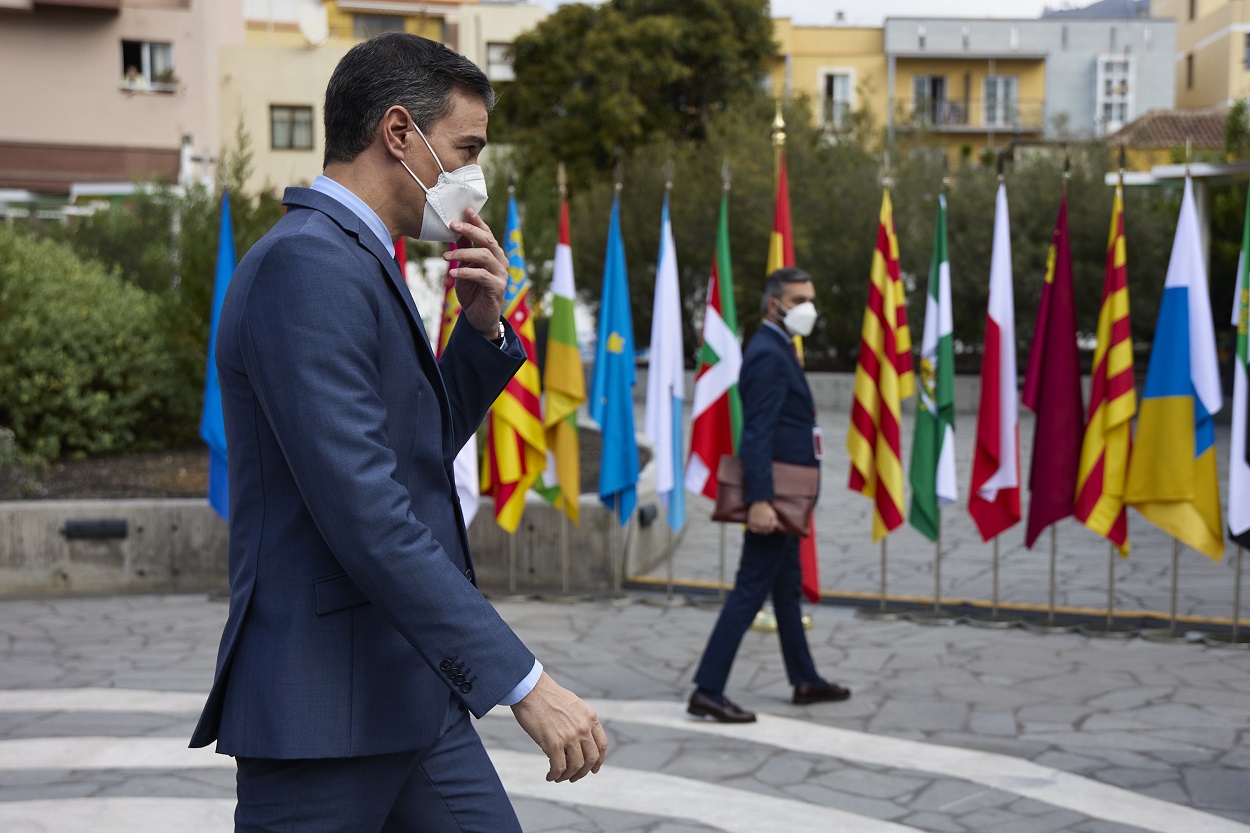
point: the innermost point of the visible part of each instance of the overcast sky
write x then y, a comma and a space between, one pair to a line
873, 12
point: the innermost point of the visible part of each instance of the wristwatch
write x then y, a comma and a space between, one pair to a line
498, 340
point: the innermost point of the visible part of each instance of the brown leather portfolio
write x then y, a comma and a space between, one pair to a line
794, 495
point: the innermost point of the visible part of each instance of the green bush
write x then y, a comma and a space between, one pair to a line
86, 360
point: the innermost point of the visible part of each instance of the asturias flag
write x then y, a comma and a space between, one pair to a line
717, 411
933, 452
212, 426
1112, 401
1052, 390
994, 502
883, 379
565, 383
1173, 479
666, 381
1239, 458
516, 443
612, 394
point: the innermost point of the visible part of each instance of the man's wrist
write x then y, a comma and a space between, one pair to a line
495, 333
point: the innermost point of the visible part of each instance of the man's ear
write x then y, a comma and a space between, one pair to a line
395, 126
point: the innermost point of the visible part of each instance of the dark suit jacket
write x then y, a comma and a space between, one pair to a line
353, 618
778, 413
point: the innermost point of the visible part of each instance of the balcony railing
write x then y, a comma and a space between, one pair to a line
966, 115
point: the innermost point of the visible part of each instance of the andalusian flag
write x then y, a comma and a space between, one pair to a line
1173, 479
1239, 458
1112, 401
717, 413
666, 380
565, 382
933, 452
516, 444
883, 378
994, 502
1052, 390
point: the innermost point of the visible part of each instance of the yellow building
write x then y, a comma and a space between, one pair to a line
1212, 50
841, 69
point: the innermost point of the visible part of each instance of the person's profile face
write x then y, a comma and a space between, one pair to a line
793, 294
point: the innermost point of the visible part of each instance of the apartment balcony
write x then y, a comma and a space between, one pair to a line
971, 115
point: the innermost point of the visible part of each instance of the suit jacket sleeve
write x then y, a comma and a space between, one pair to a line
309, 340
762, 387
475, 372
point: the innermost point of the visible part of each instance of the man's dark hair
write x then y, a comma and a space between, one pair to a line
395, 68
774, 284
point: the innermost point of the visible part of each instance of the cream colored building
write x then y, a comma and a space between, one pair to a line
1212, 58
841, 69
72, 119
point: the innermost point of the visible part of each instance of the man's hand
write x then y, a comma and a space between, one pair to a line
762, 518
482, 275
565, 728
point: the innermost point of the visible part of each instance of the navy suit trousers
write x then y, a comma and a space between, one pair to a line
770, 564
450, 787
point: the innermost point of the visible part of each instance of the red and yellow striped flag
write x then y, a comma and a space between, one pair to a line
1112, 403
451, 311
516, 442
883, 378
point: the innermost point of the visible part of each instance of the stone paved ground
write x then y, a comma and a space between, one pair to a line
950, 729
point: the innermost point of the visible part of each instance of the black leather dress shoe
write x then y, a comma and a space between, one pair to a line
805, 693
726, 712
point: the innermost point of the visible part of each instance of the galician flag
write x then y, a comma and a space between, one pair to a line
212, 425
883, 379
565, 383
933, 452
717, 411
666, 380
1239, 458
1112, 401
994, 502
1173, 479
465, 467
516, 442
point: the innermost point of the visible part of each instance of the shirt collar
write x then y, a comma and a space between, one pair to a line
779, 330
336, 191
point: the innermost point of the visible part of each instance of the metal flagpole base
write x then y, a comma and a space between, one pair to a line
806, 619
1044, 627
765, 622
1164, 635
877, 614
929, 616
1102, 630
665, 601
995, 621
1225, 640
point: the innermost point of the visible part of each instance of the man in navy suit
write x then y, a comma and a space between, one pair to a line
778, 424
357, 643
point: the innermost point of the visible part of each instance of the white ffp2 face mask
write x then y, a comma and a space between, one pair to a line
799, 319
451, 196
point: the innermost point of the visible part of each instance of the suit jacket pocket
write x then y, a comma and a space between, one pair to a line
337, 592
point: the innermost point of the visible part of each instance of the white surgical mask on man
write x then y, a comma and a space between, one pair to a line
451, 196
798, 319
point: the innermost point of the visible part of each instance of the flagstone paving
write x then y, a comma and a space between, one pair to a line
949, 729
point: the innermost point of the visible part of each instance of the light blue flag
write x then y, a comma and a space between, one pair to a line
612, 394
212, 428
666, 380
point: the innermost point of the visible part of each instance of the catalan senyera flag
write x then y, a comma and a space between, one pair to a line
1112, 402
994, 499
516, 442
717, 413
465, 467
1239, 456
565, 382
212, 424
780, 254
883, 379
1173, 477
1052, 390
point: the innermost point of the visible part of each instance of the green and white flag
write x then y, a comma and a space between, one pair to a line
933, 452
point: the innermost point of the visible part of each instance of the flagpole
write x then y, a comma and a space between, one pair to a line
1233, 639
1169, 633
1050, 626
994, 619
720, 582
513, 594
1109, 629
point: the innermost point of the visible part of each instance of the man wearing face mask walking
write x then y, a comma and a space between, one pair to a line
357, 644
778, 424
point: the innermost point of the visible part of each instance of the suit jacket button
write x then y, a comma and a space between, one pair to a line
466, 687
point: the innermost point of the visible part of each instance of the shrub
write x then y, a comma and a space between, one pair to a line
86, 363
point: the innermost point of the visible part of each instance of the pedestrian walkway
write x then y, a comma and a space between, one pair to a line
949, 729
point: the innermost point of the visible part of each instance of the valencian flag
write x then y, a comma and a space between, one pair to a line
465, 467
212, 426
666, 380
1239, 458
612, 394
1112, 401
1052, 390
717, 412
933, 452
1172, 475
565, 383
883, 379
516, 443
994, 502
781, 254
